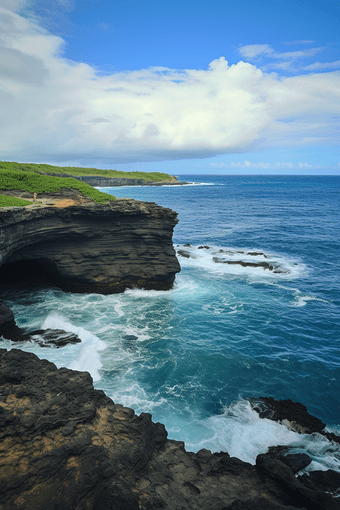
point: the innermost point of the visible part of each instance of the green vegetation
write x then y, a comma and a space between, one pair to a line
49, 169
6, 201
30, 181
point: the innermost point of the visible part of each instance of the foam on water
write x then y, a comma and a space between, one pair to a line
131, 394
242, 433
302, 299
250, 263
88, 357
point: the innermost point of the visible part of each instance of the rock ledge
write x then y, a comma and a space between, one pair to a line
88, 247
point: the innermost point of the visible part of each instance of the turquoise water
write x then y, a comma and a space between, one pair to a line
226, 332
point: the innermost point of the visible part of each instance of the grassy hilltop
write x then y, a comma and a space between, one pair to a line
49, 169
27, 177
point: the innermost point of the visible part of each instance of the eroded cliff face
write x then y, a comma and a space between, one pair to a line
65, 445
90, 247
105, 182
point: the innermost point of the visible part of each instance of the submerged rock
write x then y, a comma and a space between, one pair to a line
184, 253
256, 254
65, 445
242, 263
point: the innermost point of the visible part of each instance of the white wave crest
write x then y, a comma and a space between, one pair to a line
242, 433
254, 264
88, 357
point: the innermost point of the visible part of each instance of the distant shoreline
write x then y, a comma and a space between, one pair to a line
112, 182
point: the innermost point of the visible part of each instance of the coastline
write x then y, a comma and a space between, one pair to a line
92, 453
254, 503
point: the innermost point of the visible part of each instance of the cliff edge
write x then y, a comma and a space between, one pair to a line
87, 247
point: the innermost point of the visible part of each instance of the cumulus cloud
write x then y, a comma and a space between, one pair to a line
53, 109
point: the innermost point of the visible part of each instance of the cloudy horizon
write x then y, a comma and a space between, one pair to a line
259, 109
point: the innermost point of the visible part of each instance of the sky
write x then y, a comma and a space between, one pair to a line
177, 86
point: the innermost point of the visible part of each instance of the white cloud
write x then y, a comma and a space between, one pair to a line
297, 54
12, 5
287, 61
253, 50
320, 66
304, 41
53, 109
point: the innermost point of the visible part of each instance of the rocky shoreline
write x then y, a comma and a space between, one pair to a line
65, 445
111, 182
90, 453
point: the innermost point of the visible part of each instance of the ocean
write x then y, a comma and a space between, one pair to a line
254, 312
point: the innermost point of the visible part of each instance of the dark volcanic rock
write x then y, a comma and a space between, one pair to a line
294, 413
64, 445
43, 337
327, 481
52, 337
91, 247
296, 461
6, 317
184, 253
242, 263
303, 497
254, 253
8, 327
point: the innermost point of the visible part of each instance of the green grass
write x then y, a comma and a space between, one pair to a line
6, 201
30, 181
49, 169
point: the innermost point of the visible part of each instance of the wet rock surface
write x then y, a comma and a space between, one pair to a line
52, 337
8, 327
295, 461
228, 257
293, 413
43, 337
65, 445
242, 263
87, 247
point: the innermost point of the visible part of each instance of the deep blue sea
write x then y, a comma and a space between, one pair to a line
226, 332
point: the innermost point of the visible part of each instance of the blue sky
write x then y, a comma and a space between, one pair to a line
175, 86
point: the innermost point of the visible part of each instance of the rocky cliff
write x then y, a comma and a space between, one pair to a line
66, 446
87, 247
108, 182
